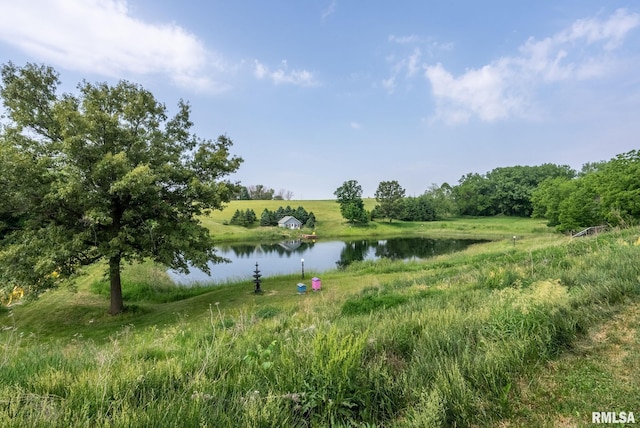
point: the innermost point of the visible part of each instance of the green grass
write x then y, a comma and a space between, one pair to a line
476, 338
330, 224
596, 374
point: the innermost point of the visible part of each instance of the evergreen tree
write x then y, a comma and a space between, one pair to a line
250, 217
289, 211
238, 218
311, 221
266, 219
301, 214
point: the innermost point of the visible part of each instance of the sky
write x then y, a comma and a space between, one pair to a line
314, 93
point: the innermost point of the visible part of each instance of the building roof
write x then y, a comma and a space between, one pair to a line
288, 218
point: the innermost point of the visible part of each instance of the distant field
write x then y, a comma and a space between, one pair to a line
330, 223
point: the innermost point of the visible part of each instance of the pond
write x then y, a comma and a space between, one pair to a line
291, 257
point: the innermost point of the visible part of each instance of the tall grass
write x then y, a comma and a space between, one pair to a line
440, 344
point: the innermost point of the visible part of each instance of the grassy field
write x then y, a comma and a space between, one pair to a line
330, 224
540, 333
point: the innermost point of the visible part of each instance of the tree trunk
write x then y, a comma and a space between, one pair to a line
117, 305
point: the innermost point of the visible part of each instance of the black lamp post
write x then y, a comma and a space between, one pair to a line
302, 261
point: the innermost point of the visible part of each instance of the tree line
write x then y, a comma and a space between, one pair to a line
602, 193
268, 217
605, 192
262, 192
436, 203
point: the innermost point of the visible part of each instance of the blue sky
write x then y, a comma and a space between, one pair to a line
317, 92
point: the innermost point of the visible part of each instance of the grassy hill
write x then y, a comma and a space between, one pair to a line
330, 224
540, 333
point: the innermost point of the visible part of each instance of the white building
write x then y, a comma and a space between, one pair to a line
289, 222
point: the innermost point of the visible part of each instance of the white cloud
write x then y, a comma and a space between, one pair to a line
611, 31
282, 75
404, 39
428, 44
102, 36
502, 88
408, 67
260, 71
389, 84
484, 92
355, 125
410, 64
330, 10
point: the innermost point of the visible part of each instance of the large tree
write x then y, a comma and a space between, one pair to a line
604, 192
619, 187
389, 196
349, 196
104, 175
421, 208
514, 185
549, 196
505, 190
474, 195
442, 200
12, 209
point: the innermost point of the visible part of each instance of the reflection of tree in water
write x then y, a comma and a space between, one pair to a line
240, 250
280, 248
400, 249
421, 248
393, 248
354, 251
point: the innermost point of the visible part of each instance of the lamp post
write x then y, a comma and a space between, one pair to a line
302, 261
514, 240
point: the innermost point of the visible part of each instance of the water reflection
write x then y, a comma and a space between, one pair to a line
285, 257
399, 249
279, 249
